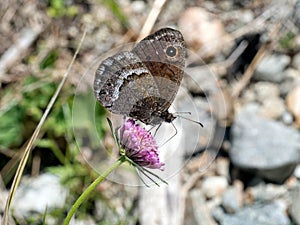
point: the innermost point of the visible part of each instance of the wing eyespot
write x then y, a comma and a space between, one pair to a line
171, 51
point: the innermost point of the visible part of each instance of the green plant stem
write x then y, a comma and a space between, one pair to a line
90, 188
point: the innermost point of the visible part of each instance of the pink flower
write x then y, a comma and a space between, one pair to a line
139, 145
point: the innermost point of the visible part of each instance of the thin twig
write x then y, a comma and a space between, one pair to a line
34, 136
184, 192
11, 165
16, 52
7, 152
152, 17
242, 83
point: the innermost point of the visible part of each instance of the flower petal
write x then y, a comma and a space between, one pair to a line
139, 145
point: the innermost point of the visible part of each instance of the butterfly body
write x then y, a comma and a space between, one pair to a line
142, 83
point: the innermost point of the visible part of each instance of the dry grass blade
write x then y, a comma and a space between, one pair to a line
15, 53
184, 193
34, 136
249, 72
152, 17
253, 65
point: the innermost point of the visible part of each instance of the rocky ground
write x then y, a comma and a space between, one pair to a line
242, 77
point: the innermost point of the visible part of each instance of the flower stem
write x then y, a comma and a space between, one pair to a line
90, 188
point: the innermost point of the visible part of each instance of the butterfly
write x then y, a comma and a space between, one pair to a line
142, 83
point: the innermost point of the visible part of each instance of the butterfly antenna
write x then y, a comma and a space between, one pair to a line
194, 121
178, 114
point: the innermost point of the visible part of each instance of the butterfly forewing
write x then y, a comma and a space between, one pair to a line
167, 71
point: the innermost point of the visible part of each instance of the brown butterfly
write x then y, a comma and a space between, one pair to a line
142, 83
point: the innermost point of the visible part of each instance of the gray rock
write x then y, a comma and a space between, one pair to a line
270, 214
272, 108
229, 201
232, 199
208, 138
138, 6
218, 213
222, 167
248, 95
295, 207
271, 68
296, 14
287, 118
197, 210
296, 60
199, 79
263, 145
297, 41
265, 90
3, 197
198, 108
267, 192
291, 79
297, 172
119, 198
214, 186
38, 194
267, 94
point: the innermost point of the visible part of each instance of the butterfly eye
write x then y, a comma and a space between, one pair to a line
171, 51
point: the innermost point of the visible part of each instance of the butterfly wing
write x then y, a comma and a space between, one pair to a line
122, 82
163, 53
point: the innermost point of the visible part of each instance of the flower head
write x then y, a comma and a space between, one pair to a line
139, 145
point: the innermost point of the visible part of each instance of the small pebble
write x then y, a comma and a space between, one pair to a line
267, 192
202, 29
287, 118
232, 199
295, 207
293, 103
296, 61
265, 90
297, 172
214, 186
222, 166
273, 213
138, 6
272, 108
271, 68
